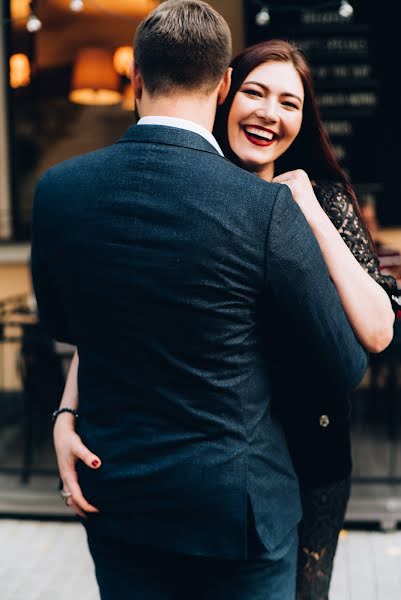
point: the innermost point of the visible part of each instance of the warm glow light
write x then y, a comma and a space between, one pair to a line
128, 102
20, 71
94, 97
20, 9
122, 60
33, 24
76, 5
137, 9
94, 80
130, 8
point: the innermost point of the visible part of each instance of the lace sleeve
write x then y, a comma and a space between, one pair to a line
337, 204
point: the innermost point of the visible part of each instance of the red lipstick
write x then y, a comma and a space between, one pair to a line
258, 141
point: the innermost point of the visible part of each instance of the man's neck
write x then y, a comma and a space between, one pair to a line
192, 108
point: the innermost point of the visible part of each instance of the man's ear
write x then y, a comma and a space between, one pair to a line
225, 85
136, 81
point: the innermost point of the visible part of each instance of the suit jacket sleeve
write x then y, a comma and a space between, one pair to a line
50, 309
297, 276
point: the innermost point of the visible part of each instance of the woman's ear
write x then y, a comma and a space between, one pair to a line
224, 87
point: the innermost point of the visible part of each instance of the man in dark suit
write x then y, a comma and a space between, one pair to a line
163, 263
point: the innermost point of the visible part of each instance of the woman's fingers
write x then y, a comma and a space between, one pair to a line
74, 506
296, 178
69, 449
84, 454
71, 484
76, 509
281, 178
302, 191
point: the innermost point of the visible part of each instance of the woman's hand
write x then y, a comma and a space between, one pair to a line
69, 448
302, 192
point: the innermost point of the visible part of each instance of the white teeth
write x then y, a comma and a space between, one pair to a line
266, 135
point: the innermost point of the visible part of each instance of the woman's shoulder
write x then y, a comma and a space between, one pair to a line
331, 192
336, 201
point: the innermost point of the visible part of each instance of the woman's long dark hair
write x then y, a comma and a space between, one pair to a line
311, 150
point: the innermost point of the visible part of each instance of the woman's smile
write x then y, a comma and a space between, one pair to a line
260, 136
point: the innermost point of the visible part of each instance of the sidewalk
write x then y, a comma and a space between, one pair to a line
50, 561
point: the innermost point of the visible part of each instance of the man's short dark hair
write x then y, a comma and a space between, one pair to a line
182, 44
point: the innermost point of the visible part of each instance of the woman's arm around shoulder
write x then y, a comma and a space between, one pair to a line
337, 203
343, 241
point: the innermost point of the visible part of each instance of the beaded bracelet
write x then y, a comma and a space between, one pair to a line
58, 412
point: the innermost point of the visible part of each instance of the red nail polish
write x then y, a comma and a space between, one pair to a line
95, 463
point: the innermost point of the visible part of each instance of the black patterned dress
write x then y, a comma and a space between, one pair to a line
324, 506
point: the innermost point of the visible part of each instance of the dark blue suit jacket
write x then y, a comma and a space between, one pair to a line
164, 263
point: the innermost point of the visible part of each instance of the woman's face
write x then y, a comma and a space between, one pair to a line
266, 116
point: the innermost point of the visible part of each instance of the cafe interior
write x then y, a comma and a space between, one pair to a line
65, 90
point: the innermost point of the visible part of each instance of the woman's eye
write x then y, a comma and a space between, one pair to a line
290, 104
252, 93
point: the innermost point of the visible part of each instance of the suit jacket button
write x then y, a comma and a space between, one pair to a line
324, 420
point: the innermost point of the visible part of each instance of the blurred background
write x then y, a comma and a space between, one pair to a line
65, 90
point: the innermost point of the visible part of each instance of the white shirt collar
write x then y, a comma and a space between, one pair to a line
182, 124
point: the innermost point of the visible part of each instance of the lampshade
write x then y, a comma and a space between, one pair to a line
133, 9
20, 9
128, 102
122, 60
94, 80
20, 71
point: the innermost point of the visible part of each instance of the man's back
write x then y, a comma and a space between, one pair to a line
167, 263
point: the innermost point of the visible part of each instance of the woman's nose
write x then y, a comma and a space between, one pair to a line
268, 111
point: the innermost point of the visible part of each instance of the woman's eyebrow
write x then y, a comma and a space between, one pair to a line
265, 87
